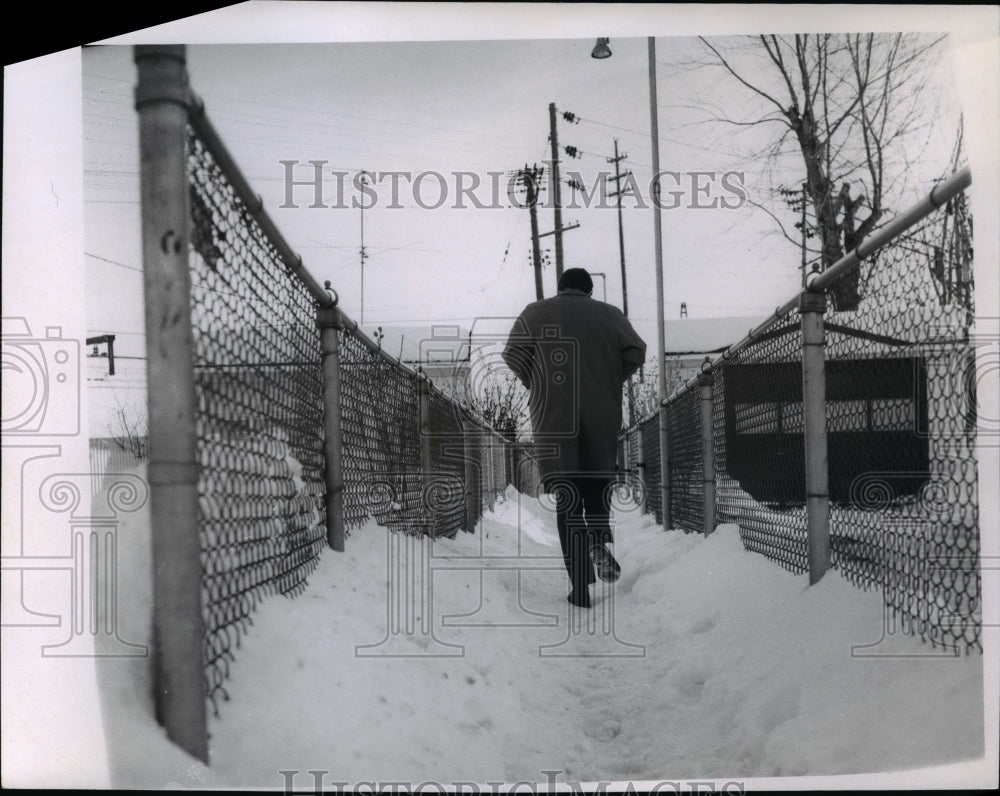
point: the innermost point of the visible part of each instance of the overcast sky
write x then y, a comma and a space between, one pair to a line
479, 107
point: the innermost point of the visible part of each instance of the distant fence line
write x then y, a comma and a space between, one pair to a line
109, 456
841, 431
275, 424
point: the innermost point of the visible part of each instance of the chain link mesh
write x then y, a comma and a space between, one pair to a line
259, 425
759, 444
902, 434
380, 422
651, 458
445, 486
495, 468
687, 508
630, 457
901, 418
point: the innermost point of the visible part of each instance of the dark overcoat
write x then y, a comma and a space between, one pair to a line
574, 353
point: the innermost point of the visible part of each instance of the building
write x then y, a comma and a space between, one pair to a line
690, 340
442, 351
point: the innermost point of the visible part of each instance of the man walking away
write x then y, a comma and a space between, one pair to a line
574, 353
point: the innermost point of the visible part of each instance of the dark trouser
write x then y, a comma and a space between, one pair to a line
583, 517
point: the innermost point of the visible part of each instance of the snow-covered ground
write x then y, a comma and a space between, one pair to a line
703, 662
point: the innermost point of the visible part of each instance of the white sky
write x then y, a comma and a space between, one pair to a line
447, 106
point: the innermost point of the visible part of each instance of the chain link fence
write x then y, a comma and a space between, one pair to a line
900, 431
758, 435
259, 422
902, 426
276, 425
650, 436
381, 436
260, 425
684, 432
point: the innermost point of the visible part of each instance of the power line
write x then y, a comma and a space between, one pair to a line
113, 262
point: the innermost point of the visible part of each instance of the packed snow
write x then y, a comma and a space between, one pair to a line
703, 661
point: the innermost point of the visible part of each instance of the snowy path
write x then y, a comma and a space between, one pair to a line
742, 671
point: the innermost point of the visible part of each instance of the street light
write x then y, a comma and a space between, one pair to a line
601, 51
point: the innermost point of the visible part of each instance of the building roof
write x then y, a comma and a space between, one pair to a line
706, 335
437, 343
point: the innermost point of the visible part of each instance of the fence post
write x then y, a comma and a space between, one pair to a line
426, 478
471, 489
811, 308
161, 100
329, 322
706, 385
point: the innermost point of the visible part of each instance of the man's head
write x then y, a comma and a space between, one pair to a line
576, 279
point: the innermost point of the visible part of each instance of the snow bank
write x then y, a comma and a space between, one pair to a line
703, 661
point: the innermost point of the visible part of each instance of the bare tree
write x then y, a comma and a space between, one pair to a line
853, 107
130, 431
646, 391
496, 395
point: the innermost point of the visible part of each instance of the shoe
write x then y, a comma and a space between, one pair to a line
607, 568
582, 600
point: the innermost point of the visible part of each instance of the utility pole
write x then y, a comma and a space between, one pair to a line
805, 188
621, 249
621, 235
661, 358
555, 190
364, 255
795, 201
529, 178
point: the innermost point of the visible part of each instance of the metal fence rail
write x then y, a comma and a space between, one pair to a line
846, 437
